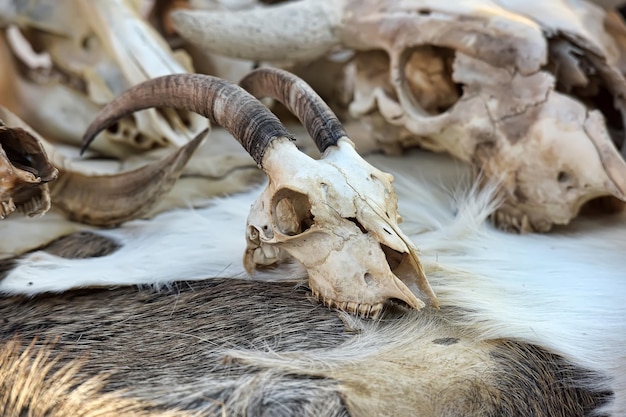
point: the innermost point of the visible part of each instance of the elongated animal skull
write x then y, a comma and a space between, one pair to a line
550, 153
512, 87
337, 216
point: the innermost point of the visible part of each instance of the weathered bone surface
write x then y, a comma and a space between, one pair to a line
549, 151
204, 62
337, 216
515, 88
96, 50
101, 200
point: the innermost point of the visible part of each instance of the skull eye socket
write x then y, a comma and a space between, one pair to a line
394, 258
427, 82
291, 211
24, 153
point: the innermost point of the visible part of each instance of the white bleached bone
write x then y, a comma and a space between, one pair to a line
25, 171
338, 217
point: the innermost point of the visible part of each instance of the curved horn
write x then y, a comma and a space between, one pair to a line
99, 200
109, 200
223, 103
300, 99
297, 31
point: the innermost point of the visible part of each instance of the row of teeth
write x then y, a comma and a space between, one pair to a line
357, 309
6, 208
508, 222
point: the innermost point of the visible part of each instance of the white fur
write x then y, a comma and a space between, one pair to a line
565, 290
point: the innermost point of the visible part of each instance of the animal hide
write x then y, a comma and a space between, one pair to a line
550, 302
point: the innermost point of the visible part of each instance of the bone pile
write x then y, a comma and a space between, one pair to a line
532, 97
115, 114
531, 93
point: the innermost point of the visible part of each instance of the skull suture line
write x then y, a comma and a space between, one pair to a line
337, 216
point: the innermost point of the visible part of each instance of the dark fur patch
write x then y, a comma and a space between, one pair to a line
6, 266
79, 245
532, 380
173, 342
446, 341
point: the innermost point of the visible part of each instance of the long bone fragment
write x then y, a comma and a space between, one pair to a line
99, 200
236, 34
308, 29
337, 216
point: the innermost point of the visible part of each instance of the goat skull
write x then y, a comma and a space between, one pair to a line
337, 216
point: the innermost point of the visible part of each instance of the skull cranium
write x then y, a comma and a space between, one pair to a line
338, 217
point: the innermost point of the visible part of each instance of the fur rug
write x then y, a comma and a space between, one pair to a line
563, 291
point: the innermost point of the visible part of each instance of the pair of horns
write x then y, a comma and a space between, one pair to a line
230, 106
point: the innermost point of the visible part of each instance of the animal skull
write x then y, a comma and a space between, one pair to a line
511, 87
334, 215
337, 216
28, 163
550, 153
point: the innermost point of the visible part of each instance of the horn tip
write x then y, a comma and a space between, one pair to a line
85, 142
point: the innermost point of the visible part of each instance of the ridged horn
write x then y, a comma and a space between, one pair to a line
297, 31
222, 102
109, 200
300, 99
